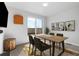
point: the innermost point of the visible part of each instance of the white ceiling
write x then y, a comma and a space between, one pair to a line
37, 8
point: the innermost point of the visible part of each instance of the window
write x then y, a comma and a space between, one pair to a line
38, 23
31, 22
34, 23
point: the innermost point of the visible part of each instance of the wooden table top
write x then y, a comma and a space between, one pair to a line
51, 37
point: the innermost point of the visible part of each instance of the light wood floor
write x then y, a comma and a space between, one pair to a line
22, 50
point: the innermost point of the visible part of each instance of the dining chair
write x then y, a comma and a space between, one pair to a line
51, 33
31, 41
40, 45
59, 34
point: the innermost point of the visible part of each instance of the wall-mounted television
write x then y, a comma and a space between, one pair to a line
3, 15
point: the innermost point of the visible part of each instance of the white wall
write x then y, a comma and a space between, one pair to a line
69, 14
16, 30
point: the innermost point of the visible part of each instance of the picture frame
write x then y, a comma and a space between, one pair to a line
18, 19
61, 26
70, 25
53, 26
57, 26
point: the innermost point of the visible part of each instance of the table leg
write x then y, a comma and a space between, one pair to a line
50, 48
63, 46
62, 49
53, 48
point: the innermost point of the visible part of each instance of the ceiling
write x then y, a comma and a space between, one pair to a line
37, 8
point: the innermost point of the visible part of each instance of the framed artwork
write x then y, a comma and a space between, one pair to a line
53, 26
61, 26
57, 26
70, 25
18, 19
64, 26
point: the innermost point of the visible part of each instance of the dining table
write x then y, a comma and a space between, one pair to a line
54, 39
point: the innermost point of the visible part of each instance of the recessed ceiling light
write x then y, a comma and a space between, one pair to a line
45, 4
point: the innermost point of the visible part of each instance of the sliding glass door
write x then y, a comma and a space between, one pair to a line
34, 25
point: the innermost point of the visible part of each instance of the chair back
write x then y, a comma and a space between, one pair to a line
40, 45
51, 33
31, 40
37, 42
59, 34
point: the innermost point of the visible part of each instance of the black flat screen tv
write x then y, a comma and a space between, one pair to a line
3, 15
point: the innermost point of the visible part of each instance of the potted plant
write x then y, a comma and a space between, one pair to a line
46, 30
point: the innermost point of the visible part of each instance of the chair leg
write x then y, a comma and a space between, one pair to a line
35, 51
40, 53
59, 45
53, 48
44, 41
29, 48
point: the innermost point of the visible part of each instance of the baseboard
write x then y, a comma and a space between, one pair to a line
22, 44
72, 43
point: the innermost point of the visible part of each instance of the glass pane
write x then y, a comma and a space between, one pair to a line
31, 22
38, 23
38, 26
34, 23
